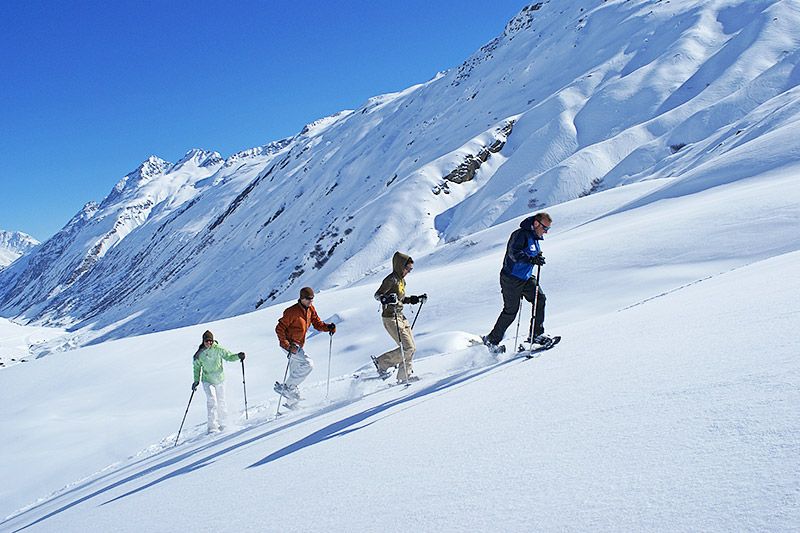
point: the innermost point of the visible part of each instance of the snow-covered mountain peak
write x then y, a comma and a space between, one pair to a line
198, 158
14, 244
150, 168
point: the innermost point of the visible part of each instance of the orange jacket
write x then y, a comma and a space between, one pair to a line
294, 323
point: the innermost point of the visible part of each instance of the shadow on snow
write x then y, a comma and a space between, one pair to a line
336, 429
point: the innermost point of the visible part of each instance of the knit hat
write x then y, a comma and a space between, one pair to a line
306, 292
208, 336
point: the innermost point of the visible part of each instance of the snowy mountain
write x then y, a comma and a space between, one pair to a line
14, 244
569, 100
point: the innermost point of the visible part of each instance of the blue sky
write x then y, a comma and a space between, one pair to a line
91, 89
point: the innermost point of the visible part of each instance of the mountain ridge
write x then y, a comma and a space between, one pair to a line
567, 101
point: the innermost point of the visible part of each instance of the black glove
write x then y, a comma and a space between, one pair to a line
331, 328
423, 298
537, 260
241, 356
194, 385
388, 299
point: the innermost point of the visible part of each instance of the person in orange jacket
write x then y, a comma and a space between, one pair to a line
291, 331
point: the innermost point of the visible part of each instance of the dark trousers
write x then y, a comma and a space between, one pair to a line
514, 289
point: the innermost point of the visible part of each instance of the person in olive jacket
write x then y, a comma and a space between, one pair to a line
392, 295
207, 365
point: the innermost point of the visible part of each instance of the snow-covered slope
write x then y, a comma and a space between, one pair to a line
20, 344
571, 99
671, 404
14, 244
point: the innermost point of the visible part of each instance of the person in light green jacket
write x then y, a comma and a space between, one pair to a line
207, 364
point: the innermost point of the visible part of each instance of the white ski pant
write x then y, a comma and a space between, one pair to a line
300, 366
215, 402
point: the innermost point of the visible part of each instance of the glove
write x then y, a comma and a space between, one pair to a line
293, 348
194, 385
241, 356
423, 298
537, 260
388, 299
331, 328
413, 300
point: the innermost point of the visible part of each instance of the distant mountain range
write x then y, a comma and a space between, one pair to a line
571, 98
14, 244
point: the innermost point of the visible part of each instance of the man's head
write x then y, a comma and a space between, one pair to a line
541, 223
208, 338
306, 296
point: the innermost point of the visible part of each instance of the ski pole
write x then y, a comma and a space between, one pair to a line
289, 360
535, 303
244, 384
330, 349
519, 318
400, 340
184, 417
419, 310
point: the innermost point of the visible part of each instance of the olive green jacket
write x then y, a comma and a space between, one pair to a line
394, 284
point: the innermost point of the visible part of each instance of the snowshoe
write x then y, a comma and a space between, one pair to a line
546, 344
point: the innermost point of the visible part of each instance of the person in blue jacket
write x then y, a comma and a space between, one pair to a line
517, 279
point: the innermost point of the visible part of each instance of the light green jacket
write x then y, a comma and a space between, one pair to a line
209, 360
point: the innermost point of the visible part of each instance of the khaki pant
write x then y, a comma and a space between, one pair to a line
395, 357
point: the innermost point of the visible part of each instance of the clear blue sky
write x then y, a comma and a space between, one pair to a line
92, 88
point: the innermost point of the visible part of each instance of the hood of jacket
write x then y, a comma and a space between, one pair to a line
399, 261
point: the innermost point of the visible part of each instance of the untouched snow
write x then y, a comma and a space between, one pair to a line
671, 404
21, 344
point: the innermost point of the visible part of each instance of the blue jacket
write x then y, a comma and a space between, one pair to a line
523, 245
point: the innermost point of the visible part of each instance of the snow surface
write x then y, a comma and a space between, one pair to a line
19, 343
671, 404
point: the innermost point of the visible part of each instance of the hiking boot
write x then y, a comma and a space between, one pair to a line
383, 374
412, 378
289, 391
493, 348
